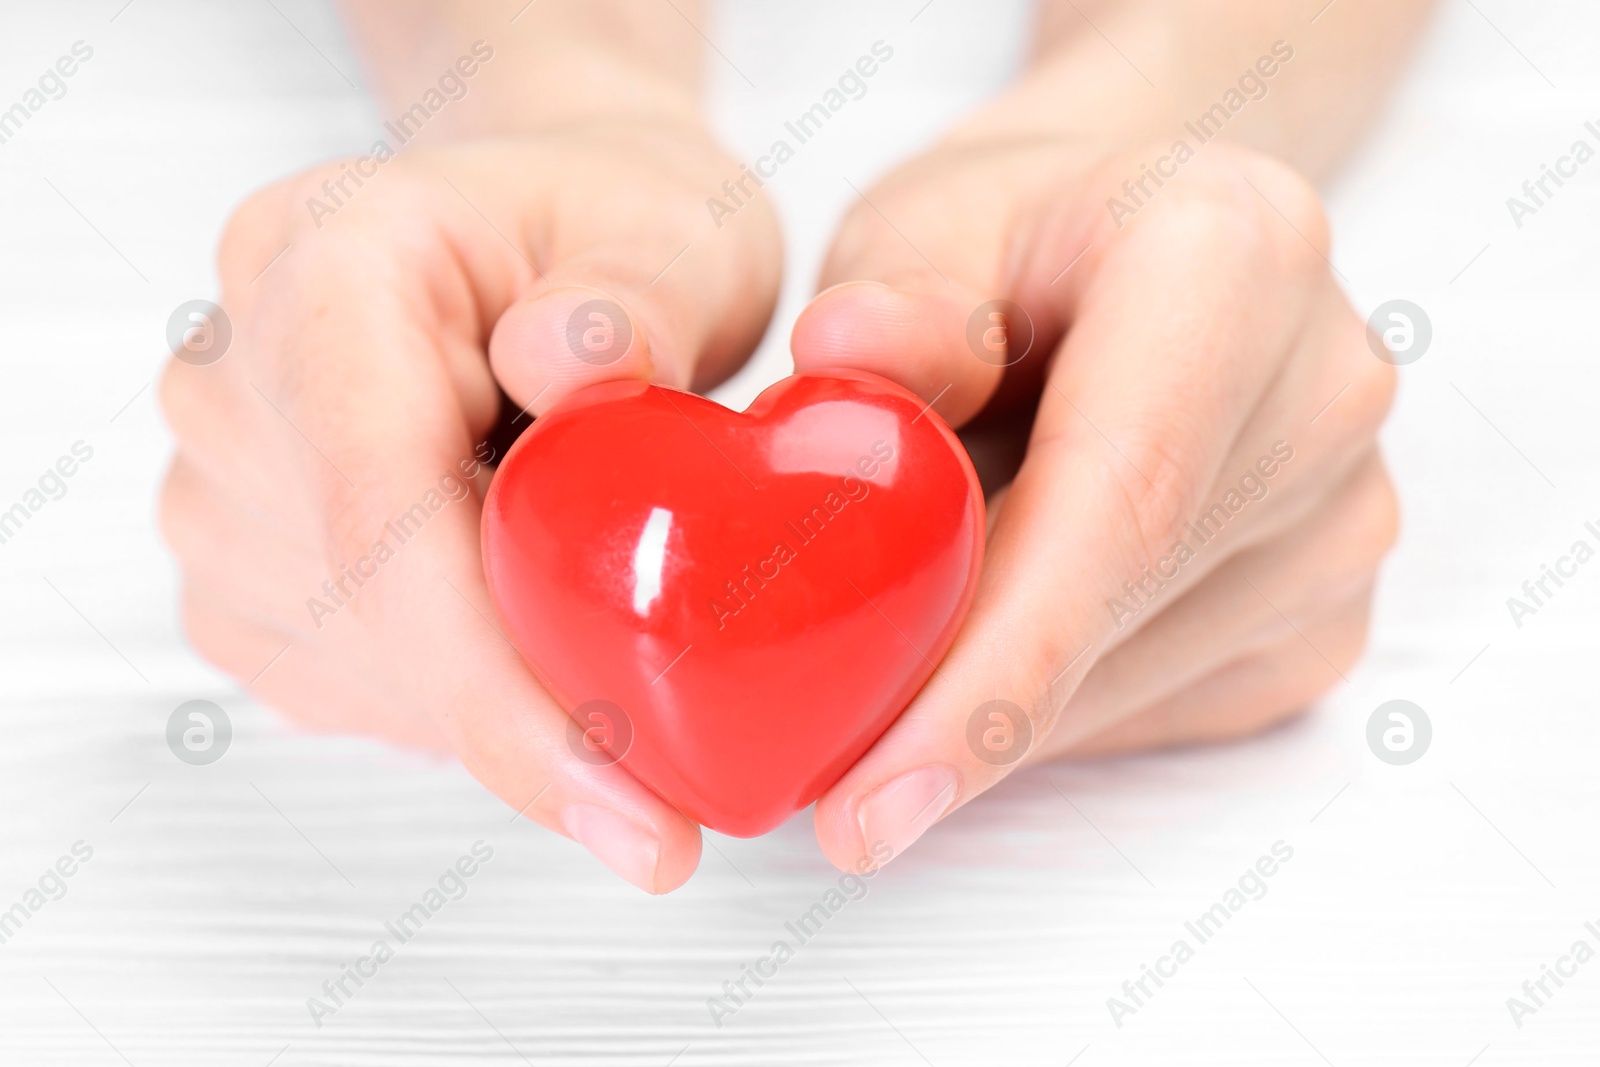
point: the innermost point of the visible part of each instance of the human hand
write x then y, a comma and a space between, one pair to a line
1200, 381
352, 410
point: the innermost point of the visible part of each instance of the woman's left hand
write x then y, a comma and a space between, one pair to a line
1188, 549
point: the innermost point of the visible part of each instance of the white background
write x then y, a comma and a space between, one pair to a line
1419, 898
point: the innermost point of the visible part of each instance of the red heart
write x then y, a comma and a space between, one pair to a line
760, 594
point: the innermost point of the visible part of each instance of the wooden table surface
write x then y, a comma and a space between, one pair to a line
218, 899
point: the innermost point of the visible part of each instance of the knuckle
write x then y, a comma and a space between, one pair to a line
1380, 515
1255, 206
1294, 677
176, 513
184, 396
1338, 639
1286, 201
347, 210
1230, 201
1349, 633
253, 223
309, 190
1373, 387
1292, 196
868, 244
1390, 520
347, 213
213, 635
1363, 388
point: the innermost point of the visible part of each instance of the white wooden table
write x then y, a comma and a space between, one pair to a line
218, 899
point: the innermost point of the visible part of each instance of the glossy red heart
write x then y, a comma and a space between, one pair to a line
759, 593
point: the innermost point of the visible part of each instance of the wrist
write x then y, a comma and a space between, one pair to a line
552, 64
583, 84
1077, 93
488, 92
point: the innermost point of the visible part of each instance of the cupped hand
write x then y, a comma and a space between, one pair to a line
1188, 548
324, 499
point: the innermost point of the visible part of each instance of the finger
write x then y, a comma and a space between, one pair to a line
1319, 475
1256, 692
909, 285
1258, 598
218, 421
633, 278
431, 609
208, 531
1140, 413
283, 672
400, 510
1298, 457
912, 333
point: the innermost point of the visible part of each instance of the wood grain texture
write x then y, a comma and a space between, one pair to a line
218, 899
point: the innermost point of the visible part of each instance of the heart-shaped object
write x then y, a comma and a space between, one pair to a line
749, 599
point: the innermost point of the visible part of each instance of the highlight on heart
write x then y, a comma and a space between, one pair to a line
793, 535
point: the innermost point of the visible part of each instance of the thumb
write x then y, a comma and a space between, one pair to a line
917, 290
642, 284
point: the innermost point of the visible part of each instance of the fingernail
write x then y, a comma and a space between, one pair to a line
860, 285
884, 302
898, 813
616, 841
857, 324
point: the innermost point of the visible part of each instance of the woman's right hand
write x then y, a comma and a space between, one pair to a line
343, 431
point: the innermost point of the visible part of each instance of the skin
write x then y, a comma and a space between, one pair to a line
1171, 354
